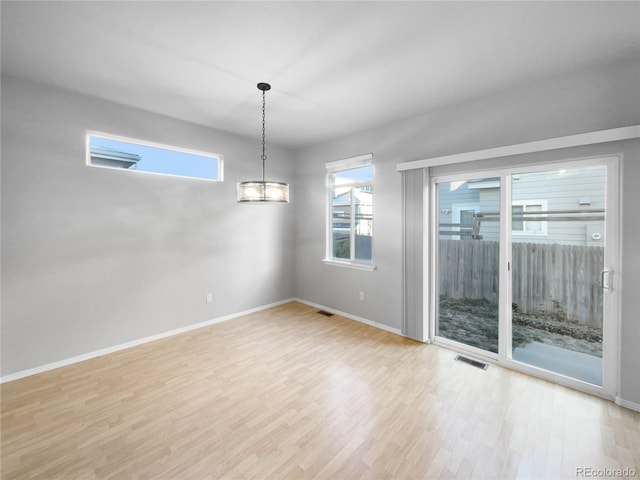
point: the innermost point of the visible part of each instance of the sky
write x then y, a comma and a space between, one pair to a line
360, 174
161, 160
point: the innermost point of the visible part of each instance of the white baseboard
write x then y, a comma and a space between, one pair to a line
628, 404
349, 316
134, 343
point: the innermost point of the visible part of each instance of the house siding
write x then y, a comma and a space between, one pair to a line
556, 190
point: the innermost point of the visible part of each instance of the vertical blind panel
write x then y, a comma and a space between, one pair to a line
413, 221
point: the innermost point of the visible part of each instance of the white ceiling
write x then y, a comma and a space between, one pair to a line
335, 67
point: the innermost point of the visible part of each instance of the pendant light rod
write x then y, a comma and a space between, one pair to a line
264, 87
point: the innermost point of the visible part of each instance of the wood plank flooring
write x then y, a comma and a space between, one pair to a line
289, 393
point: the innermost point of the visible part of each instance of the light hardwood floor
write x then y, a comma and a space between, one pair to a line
289, 393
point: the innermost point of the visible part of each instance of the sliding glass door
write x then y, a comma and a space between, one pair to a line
523, 268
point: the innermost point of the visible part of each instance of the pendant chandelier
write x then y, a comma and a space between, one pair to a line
261, 190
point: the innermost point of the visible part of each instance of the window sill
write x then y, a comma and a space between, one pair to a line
357, 266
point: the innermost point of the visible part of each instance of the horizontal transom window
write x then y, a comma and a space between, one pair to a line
135, 155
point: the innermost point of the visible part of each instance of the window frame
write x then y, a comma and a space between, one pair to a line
145, 143
333, 167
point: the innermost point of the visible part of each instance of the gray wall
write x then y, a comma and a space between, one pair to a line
93, 258
587, 101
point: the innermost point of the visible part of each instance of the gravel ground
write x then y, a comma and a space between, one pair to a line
475, 322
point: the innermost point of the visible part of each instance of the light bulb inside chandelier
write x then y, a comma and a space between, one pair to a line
262, 190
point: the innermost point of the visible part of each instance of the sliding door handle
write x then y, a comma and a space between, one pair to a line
605, 279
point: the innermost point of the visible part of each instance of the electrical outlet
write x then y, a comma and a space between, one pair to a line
362, 296
209, 297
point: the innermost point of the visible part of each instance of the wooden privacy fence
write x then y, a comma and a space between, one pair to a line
561, 280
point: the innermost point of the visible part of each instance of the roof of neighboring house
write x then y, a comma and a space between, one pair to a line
361, 197
112, 154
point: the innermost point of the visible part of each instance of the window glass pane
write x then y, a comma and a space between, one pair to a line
119, 154
341, 223
363, 199
556, 300
516, 211
355, 175
467, 222
351, 213
468, 262
536, 225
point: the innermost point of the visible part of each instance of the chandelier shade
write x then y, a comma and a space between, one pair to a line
262, 190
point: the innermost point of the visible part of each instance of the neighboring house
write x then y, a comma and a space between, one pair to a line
363, 206
108, 157
341, 218
572, 201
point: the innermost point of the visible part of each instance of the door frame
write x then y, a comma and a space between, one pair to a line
611, 298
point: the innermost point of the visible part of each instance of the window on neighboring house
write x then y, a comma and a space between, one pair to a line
350, 212
134, 155
527, 217
464, 215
